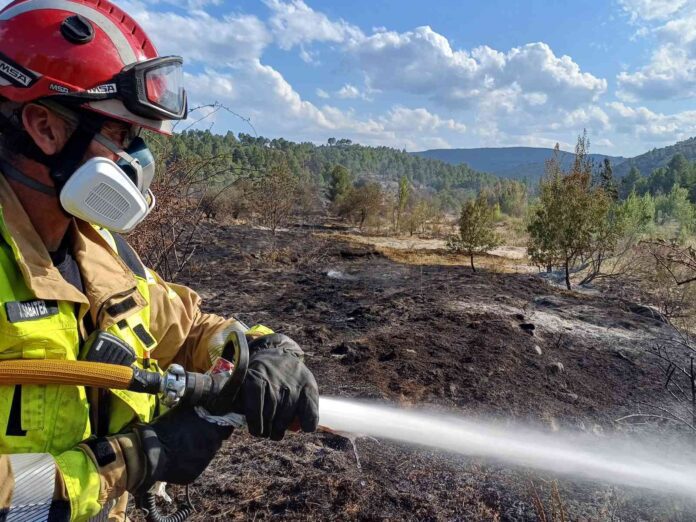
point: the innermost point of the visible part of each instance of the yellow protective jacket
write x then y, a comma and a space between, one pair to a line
42, 428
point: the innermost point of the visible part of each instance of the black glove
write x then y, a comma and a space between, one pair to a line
178, 446
278, 388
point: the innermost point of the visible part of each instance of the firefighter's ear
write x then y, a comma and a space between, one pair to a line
48, 130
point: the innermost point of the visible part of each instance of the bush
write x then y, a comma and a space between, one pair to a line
476, 234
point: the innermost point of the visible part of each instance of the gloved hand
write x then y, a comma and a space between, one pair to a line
178, 446
278, 388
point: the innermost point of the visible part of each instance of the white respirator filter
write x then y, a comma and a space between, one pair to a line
101, 193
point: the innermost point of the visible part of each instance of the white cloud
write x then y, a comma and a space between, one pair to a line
405, 120
671, 72
423, 62
651, 9
294, 23
322, 93
201, 37
644, 124
348, 91
275, 108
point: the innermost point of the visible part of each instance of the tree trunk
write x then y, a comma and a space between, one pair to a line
567, 274
471, 256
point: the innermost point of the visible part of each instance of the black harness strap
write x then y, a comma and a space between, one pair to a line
12, 173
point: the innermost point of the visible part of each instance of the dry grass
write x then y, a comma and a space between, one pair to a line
427, 251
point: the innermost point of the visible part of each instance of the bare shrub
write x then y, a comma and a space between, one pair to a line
553, 511
274, 196
165, 240
668, 280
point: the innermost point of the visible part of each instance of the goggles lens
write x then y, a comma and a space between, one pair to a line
165, 87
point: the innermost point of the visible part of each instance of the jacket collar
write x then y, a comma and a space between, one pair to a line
105, 276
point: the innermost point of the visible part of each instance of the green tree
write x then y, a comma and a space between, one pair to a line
675, 206
569, 223
363, 203
340, 183
628, 183
402, 197
607, 181
476, 234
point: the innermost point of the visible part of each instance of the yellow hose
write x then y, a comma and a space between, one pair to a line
53, 371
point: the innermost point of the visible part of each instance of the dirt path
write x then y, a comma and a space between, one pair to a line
495, 344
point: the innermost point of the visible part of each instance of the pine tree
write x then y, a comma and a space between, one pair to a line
607, 182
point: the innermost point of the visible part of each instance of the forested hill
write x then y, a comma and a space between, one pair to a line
245, 153
656, 158
508, 162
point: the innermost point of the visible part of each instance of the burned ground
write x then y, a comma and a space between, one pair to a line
507, 346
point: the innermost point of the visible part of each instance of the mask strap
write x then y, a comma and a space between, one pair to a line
133, 166
13, 173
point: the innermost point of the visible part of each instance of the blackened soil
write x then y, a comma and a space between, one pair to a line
506, 346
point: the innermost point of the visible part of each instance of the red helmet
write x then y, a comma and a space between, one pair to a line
92, 53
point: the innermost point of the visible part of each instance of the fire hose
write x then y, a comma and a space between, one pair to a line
215, 389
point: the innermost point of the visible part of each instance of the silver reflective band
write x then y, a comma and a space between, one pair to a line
217, 340
35, 477
103, 515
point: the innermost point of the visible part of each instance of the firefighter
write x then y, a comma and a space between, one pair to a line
79, 82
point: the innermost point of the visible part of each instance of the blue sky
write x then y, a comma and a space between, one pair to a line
439, 73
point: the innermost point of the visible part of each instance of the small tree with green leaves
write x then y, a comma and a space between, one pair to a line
476, 234
363, 203
402, 197
340, 183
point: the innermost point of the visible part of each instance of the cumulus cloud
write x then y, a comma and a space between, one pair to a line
322, 93
275, 108
406, 120
423, 62
295, 23
671, 71
203, 38
645, 124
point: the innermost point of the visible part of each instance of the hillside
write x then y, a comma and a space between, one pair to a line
657, 158
507, 162
245, 154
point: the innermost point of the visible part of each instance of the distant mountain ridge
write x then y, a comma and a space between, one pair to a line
657, 158
508, 162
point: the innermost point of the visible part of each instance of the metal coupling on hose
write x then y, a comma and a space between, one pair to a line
173, 385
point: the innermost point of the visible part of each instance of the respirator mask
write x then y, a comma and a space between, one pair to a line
114, 195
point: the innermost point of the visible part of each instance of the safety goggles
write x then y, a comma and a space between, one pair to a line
152, 89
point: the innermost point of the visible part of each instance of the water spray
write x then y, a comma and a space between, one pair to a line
619, 461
